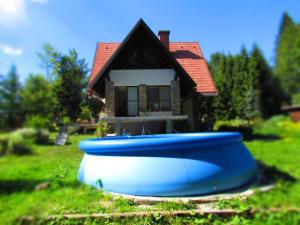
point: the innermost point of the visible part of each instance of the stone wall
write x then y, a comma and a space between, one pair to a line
109, 98
175, 97
142, 99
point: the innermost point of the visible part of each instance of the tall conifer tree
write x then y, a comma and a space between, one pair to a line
286, 62
10, 91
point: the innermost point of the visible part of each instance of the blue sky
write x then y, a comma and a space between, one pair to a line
217, 24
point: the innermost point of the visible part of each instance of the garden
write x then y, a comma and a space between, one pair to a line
38, 179
44, 182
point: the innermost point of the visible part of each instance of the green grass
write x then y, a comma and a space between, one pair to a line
278, 145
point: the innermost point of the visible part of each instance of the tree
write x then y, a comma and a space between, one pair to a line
46, 56
36, 96
2, 119
286, 48
68, 88
270, 93
10, 90
222, 70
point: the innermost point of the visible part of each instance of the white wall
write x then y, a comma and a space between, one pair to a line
137, 77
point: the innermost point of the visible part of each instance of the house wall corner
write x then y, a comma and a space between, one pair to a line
109, 98
175, 97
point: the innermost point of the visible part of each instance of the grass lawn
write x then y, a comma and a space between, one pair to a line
278, 146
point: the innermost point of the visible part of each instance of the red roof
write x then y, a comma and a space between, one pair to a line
188, 54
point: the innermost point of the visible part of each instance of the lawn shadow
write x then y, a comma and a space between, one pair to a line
30, 185
271, 174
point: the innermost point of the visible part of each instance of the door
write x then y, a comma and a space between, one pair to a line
127, 101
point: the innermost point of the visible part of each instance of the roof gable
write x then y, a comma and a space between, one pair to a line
186, 58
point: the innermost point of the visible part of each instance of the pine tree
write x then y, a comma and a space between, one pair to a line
285, 55
36, 98
10, 91
68, 88
222, 70
270, 93
242, 85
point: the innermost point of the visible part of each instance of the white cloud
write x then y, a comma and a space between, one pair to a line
12, 11
9, 50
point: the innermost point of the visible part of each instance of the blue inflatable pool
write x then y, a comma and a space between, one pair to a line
168, 164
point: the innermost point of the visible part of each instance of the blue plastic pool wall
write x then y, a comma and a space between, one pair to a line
177, 172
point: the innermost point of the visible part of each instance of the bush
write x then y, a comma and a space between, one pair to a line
27, 133
38, 122
42, 136
38, 136
296, 99
85, 113
17, 144
242, 126
3, 145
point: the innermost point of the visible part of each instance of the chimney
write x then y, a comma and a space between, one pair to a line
164, 37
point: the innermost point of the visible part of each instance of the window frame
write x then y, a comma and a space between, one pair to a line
127, 101
159, 98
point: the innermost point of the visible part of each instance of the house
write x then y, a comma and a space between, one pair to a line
149, 78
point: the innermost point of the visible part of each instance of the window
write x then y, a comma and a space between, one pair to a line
158, 98
126, 101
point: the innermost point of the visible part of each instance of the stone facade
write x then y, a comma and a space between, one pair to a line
109, 98
142, 99
175, 97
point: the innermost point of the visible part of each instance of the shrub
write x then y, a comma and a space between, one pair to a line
102, 129
296, 99
85, 114
42, 136
17, 144
38, 122
242, 126
27, 133
3, 145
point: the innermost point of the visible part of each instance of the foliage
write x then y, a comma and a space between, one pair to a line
20, 141
238, 204
243, 126
42, 136
46, 59
287, 66
17, 144
124, 204
246, 86
269, 92
296, 99
38, 122
68, 88
36, 96
206, 112
27, 133
95, 106
85, 113
221, 67
10, 100
102, 129
172, 205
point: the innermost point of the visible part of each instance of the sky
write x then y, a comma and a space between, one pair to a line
217, 25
